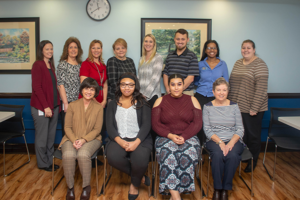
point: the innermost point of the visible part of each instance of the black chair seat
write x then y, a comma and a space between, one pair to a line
246, 155
287, 142
6, 136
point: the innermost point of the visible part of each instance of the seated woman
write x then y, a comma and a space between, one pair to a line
177, 118
223, 127
83, 123
128, 122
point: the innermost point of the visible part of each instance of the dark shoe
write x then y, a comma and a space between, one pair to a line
70, 194
224, 195
48, 169
132, 196
55, 167
86, 192
248, 168
147, 181
217, 195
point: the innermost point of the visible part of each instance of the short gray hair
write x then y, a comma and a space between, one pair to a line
220, 81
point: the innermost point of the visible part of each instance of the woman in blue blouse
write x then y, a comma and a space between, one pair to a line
211, 67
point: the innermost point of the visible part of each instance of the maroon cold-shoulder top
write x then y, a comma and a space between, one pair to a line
177, 116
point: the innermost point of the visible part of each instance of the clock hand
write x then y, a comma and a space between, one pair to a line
95, 10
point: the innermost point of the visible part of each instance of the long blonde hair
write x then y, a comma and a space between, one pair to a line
143, 60
90, 57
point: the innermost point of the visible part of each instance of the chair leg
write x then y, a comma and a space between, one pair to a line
104, 174
156, 174
207, 191
250, 189
96, 164
149, 190
272, 178
110, 174
153, 174
54, 187
5, 175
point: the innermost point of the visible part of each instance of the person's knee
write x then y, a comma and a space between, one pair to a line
83, 155
68, 155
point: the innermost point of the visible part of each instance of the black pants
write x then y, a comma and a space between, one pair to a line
224, 166
62, 115
252, 135
135, 167
202, 100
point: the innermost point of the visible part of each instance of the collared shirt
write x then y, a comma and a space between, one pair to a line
185, 64
208, 76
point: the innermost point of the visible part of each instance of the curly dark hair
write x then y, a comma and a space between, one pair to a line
136, 95
204, 55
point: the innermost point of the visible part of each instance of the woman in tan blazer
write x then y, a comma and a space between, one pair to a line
83, 123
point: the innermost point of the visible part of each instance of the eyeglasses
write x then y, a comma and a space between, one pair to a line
209, 48
124, 85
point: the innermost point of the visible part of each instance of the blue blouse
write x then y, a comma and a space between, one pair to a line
208, 76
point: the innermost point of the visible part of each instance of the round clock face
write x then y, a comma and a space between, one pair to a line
98, 9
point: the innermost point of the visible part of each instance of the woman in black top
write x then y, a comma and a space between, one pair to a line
118, 65
128, 121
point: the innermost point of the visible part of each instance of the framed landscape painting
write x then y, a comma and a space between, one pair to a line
19, 38
164, 31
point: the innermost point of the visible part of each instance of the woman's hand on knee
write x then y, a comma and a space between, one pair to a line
124, 144
133, 145
176, 139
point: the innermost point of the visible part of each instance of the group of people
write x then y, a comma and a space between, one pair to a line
93, 97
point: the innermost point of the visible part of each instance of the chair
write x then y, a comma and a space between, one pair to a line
58, 154
110, 173
11, 128
197, 175
246, 155
283, 135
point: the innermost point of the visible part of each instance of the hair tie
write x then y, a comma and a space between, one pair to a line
128, 76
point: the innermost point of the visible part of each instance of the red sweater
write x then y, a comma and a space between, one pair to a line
89, 69
42, 88
177, 116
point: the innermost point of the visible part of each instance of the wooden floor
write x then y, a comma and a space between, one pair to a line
30, 183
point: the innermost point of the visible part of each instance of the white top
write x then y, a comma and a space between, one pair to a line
291, 121
127, 122
6, 115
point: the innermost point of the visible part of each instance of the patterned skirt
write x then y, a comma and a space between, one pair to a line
177, 164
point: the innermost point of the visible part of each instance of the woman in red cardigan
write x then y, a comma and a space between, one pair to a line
95, 68
45, 104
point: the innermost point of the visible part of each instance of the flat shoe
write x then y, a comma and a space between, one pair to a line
132, 196
86, 192
70, 194
48, 169
55, 166
147, 181
224, 195
216, 195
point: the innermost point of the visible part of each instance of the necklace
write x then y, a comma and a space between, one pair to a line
101, 79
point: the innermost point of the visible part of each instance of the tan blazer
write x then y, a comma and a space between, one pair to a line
80, 124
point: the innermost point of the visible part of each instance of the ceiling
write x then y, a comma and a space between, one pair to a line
257, 1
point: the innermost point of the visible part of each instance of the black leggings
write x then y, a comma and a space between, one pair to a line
135, 167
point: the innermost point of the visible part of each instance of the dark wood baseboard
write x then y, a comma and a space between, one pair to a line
21, 148
270, 95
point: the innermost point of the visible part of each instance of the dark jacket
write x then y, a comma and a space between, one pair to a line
144, 121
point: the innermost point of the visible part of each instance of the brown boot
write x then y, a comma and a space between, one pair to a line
224, 195
85, 195
70, 194
217, 195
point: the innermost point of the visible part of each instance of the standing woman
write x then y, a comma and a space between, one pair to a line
128, 126
211, 67
150, 69
68, 75
118, 65
95, 68
45, 105
249, 87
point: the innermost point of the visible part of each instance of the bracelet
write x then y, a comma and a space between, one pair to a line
219, 142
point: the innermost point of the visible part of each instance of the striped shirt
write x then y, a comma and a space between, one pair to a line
224, 121
115, 68
149, 75
249, 85
185, 64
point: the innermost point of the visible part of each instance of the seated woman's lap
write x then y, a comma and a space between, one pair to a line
216, 151
86, 151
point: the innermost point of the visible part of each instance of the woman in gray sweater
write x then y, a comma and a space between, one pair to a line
223, 127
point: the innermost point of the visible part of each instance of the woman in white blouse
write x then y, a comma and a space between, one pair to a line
128, 121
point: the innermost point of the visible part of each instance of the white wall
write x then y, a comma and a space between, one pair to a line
275, 28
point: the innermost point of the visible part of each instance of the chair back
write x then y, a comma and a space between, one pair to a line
14, 124
279, 129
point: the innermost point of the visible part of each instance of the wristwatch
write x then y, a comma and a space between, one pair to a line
219, 142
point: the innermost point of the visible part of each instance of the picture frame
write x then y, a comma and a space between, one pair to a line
164, 30
19, 39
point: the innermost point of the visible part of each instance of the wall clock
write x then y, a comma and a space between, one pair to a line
98, 9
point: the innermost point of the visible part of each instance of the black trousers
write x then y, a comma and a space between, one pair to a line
135, 167
202, 100
224, 166
252, 135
